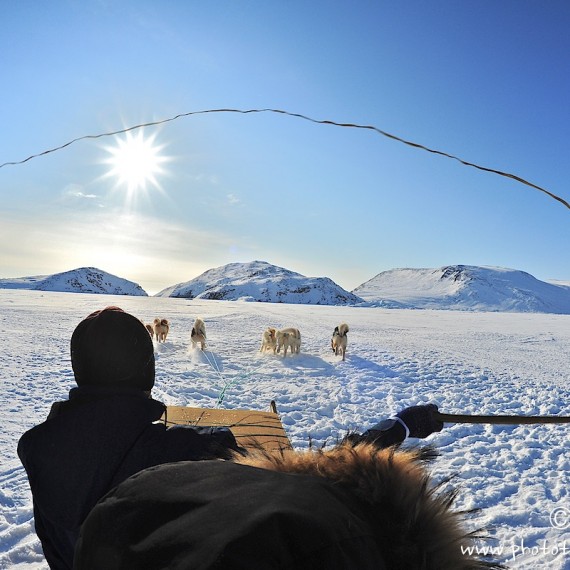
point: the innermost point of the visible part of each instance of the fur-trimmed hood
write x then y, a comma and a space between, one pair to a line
353, 507
412, 518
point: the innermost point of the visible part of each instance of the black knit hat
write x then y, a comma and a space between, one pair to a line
112, 348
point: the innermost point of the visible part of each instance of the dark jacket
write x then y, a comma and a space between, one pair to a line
348, 508
88, 445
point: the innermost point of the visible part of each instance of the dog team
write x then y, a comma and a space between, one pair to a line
160, 328
272, 340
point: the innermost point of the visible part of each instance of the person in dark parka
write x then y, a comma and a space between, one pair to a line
105, 432
356, 506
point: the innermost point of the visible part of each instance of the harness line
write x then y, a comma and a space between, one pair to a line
227, 383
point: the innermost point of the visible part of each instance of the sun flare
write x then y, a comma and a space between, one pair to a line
136, 161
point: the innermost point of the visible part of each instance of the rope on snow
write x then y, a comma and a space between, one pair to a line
227, 383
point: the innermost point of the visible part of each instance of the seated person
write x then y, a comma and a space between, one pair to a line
106, 431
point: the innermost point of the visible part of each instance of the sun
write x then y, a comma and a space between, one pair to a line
136, 161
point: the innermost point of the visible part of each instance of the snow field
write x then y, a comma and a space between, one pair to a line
479, 363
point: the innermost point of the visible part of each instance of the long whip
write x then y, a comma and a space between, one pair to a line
466, 419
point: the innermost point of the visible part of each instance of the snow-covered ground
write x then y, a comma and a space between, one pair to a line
466, 362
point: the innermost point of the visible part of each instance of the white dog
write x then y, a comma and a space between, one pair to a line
339, 339
199, 333
288, 338
268, 340
161, 328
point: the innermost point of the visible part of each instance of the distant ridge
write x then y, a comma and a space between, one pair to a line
82, 280
261, 281
451, 287
466, 287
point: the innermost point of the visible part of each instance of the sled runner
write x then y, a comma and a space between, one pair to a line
251, 428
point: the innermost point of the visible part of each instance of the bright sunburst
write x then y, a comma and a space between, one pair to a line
135, 162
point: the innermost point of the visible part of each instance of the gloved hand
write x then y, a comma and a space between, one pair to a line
420, 421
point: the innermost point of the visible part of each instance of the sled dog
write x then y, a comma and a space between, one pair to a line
339, 340
199, 334
148, 327
268, 340
288, 338
161, 328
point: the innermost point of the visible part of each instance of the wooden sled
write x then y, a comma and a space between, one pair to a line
251, 428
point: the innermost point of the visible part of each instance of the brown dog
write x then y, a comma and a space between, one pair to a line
198, 334
161, 328
339, 340
149, 328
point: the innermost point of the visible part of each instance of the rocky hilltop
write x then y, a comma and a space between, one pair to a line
261, 281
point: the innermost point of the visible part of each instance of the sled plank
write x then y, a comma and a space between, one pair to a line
251, 428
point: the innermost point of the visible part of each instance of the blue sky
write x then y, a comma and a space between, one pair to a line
486, 81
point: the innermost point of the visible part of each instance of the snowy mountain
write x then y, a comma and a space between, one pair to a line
261, 281
465, 287
83, 280
21, 282
457, 287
